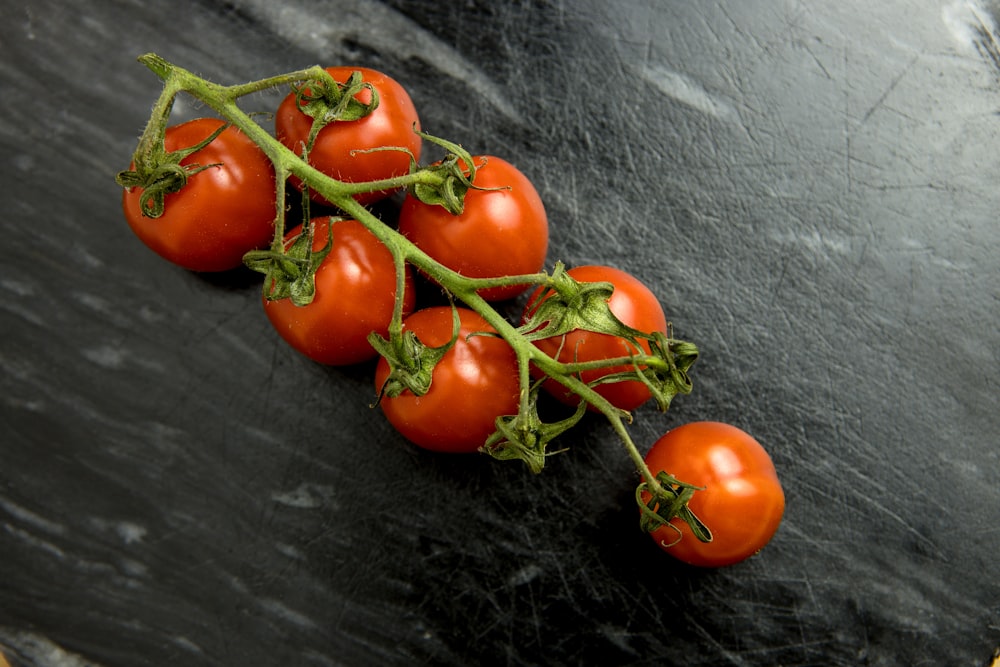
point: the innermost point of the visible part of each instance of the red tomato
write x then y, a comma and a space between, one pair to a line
474, 383
500, 232
632, 303
222, 212
742, 503
338, 150
355, 294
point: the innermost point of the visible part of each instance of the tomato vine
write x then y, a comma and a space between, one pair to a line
653, 358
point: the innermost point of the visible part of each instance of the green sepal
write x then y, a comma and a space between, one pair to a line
663, 384
679, 355
290, 272
657, 511
326, 103
411, 362
525, 436
160, 173
456, 176
566, 305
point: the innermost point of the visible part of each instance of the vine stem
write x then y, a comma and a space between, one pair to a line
223, 100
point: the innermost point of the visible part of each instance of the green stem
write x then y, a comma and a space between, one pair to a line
641, 360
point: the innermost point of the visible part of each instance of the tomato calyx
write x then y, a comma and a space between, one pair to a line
525, 436
670, 378
448, 180
327, 101
668, 499
290, 270
567, 305
411, 362
160, 173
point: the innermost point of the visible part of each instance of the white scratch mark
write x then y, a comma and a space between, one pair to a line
304, 496
814, 242
130, 533
687, 91
30, 518
524, 575
17, 287
34, 542
187, 645
284, 612
106, 356
289, 551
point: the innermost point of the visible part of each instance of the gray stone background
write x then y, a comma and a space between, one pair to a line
810, 188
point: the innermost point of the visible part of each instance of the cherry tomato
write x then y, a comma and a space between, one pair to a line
473, 383
500, 232
742, 503
355, 294
222, 212
339, 150
632, 303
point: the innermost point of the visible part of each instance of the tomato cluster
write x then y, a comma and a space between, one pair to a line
205, 197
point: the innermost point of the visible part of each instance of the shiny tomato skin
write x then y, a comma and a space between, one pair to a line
502, 230
339, 148
742, 503
631, 302
221, 213
355, 294
474, 383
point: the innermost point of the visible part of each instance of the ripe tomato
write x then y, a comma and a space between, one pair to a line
222, 212
474, 383
339, 148
632, 303
500, 232
742, 503
355, 295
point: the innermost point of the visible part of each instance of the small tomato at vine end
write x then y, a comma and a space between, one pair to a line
742, 502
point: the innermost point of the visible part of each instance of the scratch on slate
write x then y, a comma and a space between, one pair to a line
988, 41
888, 91
688, 91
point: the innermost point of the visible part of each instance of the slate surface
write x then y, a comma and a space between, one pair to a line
810, 187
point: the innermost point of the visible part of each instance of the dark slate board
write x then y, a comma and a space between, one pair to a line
811, 188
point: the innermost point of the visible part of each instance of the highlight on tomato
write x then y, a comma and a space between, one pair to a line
355, 294
225, 209
503, 229
475, 382
347, 150
742, 502
631, 302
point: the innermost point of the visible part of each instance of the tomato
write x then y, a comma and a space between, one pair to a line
474, 382
742, 503
355, 295
222, 212
500, 232
339, 148
632, 303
